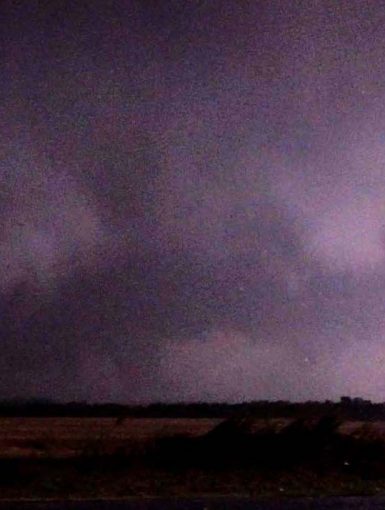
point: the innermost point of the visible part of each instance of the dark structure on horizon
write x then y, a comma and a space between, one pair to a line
346, 408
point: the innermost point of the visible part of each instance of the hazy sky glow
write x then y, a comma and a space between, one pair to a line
192, 200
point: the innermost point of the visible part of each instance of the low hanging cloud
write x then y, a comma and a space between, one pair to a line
191, 203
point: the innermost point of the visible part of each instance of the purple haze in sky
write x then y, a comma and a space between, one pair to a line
192, 200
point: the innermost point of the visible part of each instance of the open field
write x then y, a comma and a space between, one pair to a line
107, 457
68, 437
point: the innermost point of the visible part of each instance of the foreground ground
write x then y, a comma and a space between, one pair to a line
88, 457
224, 503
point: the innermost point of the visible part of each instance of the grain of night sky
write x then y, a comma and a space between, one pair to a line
192, 200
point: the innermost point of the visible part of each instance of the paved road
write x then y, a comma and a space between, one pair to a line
370, 503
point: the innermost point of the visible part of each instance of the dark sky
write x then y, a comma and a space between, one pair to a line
192, 199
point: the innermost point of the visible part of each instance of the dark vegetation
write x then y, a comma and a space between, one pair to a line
305, 450
242, 454
315, 444
347, 408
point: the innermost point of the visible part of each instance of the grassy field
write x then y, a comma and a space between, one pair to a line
68, 437
93, 457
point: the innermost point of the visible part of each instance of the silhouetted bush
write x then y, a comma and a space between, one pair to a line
315, 443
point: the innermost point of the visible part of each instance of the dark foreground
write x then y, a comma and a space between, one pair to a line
343, 503
303, 458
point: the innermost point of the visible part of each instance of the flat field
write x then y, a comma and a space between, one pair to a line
69, 437
92, 457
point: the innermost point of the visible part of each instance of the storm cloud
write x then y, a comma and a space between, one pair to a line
191, 200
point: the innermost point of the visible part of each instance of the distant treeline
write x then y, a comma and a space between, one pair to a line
346, 408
